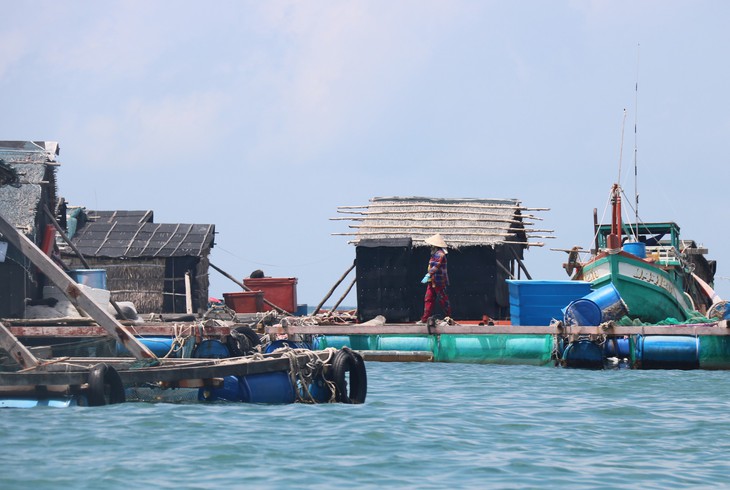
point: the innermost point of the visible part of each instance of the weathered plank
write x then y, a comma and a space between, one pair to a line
15, 349
719, 328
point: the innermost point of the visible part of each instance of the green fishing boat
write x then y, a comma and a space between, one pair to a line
652, 269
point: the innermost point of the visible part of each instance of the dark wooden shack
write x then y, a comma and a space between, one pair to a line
27, 187
154, 265
486, 237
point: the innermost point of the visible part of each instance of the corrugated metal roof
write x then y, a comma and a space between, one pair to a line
461, 221
118, 234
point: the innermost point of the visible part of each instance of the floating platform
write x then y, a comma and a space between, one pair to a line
688, 346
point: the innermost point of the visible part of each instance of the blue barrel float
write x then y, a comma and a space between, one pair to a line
160, 346
602, 305
271, 388
635, 248
667, 352
583, 353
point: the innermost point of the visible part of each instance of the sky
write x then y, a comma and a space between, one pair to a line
264, 117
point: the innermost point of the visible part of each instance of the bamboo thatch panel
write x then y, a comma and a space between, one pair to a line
462, 222
140, 281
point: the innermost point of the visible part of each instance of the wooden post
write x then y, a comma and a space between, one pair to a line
76, 295
344, 295
246, 288
327, 296
519, 261
188, 294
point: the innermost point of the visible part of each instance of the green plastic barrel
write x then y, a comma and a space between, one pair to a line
355, 342
714, 352
534, 350
406, 342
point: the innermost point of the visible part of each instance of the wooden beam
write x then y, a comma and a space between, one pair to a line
719, 328
15, 349
75, 294
332, 289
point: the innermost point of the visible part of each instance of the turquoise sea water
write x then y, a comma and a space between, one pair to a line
422, 426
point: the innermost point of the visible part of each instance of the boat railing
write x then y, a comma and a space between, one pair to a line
663, 255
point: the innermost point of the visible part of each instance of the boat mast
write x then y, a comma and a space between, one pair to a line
614, 239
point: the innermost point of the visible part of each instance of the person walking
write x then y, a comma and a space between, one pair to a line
436, 279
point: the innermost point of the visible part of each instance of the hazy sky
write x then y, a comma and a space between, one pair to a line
263, 117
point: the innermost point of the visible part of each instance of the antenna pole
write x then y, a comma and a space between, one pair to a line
636, 119
621, 148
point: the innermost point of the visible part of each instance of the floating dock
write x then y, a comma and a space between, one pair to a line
690, 346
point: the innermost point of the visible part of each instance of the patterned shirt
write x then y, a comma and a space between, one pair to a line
437, 269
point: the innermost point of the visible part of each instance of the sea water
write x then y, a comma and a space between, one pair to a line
423, 426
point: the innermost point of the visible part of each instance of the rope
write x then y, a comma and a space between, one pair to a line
301, 377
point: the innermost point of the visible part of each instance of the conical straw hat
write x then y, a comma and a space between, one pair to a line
436, 240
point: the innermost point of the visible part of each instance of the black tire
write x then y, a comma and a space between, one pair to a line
101, 378
243, 340
347, 361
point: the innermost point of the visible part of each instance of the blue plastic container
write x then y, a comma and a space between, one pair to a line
278, 344
272, 388
609, 301
617, 347
538, 302
668, 352
159, 346
231, 391
94, 278
211, 349
635, 248
319, 390
582, 312
583, 354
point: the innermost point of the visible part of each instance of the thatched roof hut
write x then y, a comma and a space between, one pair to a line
27, 187
146, 262
486, 238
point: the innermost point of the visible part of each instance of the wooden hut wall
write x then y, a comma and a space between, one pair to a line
386, 283
389, 283
175, 290
17, 282
140, 281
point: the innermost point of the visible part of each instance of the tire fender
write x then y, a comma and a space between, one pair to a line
348, 361
103, 377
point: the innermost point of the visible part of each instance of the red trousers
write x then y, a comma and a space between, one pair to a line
433, 294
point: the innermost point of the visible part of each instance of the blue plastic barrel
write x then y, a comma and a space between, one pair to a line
272, 388
278, 344
231, 391
636, 248
160, 346
617, 347
609, 301
668, 352
583, 354
582, 312
211, 349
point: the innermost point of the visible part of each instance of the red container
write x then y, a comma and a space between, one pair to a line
245, 301
282, 291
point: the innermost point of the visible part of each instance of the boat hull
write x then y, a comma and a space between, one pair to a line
651, 293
